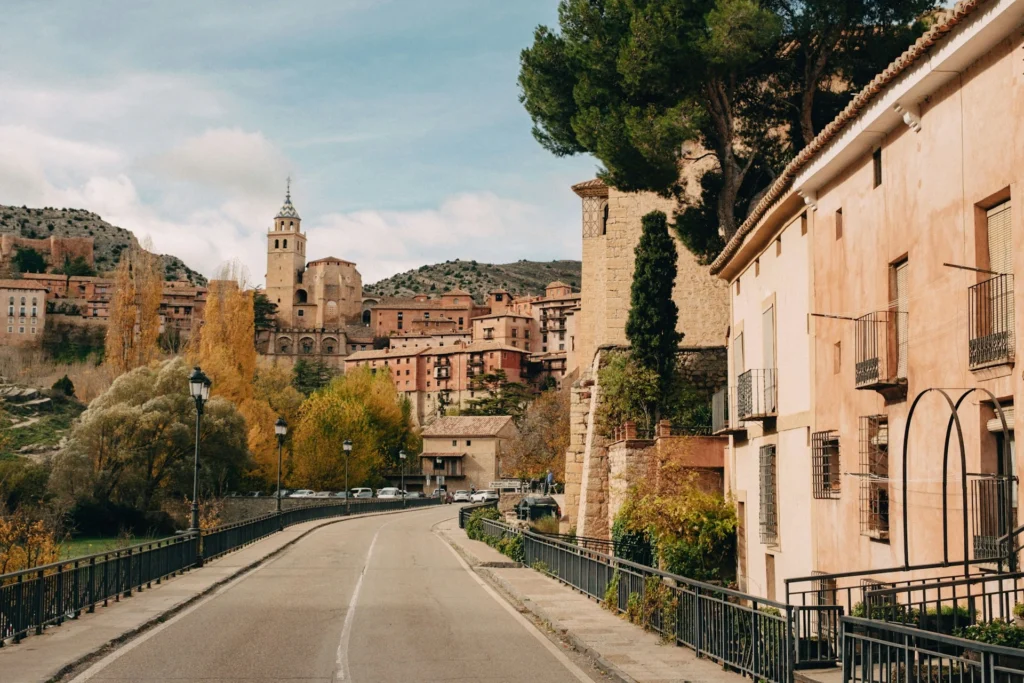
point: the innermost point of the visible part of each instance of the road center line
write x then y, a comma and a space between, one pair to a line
342, 670
523, 621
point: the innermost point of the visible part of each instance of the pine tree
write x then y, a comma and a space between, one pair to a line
651, 326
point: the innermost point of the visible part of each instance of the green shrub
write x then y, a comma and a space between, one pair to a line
546, 525
65, 386
611, 593
473, 526
994, 633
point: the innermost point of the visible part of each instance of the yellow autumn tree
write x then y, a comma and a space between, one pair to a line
360, 406
225, 350
134, 323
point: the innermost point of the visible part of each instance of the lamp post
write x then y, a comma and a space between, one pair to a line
199, 389
439, 465
281, 429
401, 456
347, 446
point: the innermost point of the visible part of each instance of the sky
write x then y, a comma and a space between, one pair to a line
397, 120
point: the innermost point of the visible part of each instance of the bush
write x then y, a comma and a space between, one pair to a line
546, 525
65, 386
995, 633
473, 529
91, 518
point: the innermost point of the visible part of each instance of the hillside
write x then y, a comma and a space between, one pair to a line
520, 278
109, 240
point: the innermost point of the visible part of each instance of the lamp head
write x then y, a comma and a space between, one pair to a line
280, 427
401, 454
206, 388
195, 383
347, 446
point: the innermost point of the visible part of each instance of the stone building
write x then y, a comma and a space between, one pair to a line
54, 250
24, 305
611, 222
317, 302
880, 266
465, 450
451, 312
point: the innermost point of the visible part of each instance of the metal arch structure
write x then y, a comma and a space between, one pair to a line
954, 420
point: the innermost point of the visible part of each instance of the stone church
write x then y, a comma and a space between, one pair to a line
319, 303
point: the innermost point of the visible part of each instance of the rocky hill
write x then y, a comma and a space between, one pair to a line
109, 241
520, 278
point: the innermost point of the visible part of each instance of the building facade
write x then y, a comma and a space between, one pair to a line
898, 223
24, 307
465, 450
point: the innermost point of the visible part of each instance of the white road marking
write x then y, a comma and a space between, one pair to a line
523, 621
343, 673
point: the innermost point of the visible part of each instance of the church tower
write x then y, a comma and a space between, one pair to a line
286, 262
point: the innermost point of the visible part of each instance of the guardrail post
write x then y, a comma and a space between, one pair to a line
791, 643
76, 588
19, 610
92, 585
40, 595
698, 641
60, 595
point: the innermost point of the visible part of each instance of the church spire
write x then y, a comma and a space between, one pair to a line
287, 209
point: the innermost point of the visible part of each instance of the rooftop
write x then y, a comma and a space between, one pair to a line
21, 284
464, 425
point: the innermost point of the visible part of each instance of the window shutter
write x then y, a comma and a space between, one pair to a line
1000, 254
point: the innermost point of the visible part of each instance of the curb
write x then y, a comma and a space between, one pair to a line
113, 643
526, 605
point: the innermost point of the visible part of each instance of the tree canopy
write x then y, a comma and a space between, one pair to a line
653, 87
499, 396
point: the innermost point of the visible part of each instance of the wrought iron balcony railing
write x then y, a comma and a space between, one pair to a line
723, 412
880, 352
991, 322
756, 395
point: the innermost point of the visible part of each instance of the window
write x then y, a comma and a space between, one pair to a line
426, 315
901, 303
21, 330
277, 244
33, 330
825, 476
526, 334
757, 267
778, 245
737, 286
769, 511
515, 333
460, 322
499, 297
999, 236
839, 224
604, 220
469, 442
837, 357
874, 477
34, 301
286, 244
876, 162
301, 312
455, 442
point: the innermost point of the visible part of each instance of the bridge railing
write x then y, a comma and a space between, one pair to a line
48, 595
466, 510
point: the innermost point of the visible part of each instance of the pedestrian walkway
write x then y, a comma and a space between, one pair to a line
617, 645
60, 648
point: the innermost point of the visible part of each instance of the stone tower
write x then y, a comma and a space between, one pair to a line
286, 262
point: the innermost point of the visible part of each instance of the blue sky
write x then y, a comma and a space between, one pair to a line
397, 119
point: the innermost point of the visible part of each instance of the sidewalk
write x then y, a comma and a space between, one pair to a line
626, 650
49, 656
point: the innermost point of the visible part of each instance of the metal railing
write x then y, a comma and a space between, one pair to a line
881, 652
991, 322
880, 349
756, 395
34, 598
634, 550
745, 633
466, 510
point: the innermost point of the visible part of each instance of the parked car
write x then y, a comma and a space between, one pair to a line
535, 507
340, 494
362, 493
462, 497
484, 496
283, 493
303, 493
389, 492
322, 494
256, 494
415, 494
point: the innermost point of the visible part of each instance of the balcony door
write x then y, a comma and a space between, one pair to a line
768, 334
900, 305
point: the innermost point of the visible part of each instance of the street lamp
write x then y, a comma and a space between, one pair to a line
347, 446
199, 389
439, 465
401, 456
281, 429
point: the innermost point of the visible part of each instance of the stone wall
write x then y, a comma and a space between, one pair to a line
705, 369
53, 249
627, 459
240, 509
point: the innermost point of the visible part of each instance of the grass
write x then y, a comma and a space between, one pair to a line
79, 547
46, 431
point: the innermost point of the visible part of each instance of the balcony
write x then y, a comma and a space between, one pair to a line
880, 353
476, 360
723, 413
991, 322
442, 372
756, 395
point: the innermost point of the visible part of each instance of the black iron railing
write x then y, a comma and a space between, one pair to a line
991, 322
880, 349
48, 595
34, 598
756, 395
466, 510
880, 652
637, 550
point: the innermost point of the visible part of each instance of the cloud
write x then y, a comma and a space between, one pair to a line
225, 158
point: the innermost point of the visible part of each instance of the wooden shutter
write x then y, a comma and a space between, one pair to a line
902, 306
1000, 252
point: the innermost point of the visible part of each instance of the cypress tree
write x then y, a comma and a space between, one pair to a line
651, 326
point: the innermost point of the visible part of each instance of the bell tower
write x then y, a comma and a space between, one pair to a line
286, 261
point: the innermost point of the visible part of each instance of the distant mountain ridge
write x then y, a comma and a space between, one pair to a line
109, 241
522, 278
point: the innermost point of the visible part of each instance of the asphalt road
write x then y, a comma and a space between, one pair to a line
376, 599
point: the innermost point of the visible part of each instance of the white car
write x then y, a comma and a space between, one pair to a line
362, 493
389, 492
322, 494
303, 493
484, 496
461, 497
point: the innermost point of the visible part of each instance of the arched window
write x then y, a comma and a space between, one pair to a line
300, 296
291, 224
286, 244
11, 300
366, 317
22, 301
277, 244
